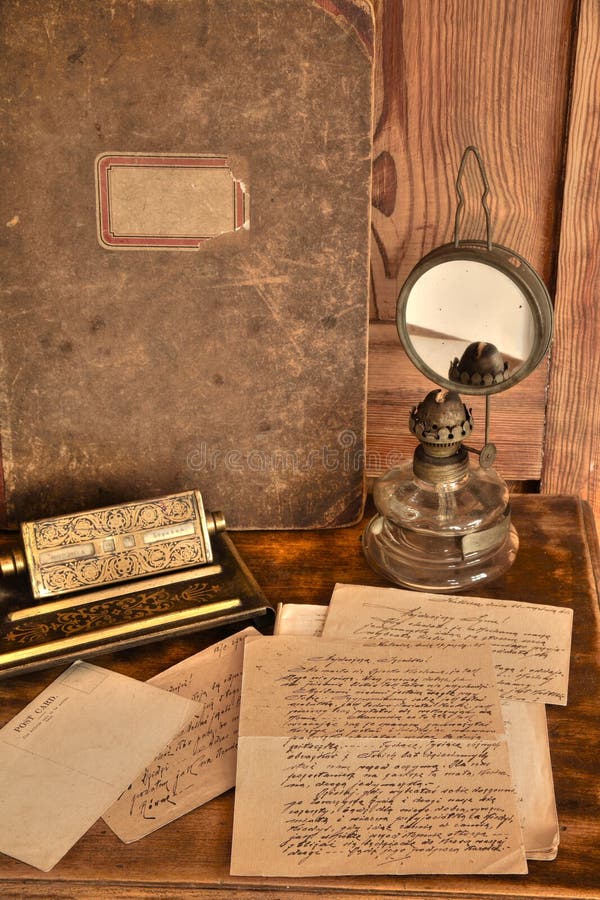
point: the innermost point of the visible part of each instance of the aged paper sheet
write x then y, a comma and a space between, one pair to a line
387, 615
531, 643
529, 752
527, 739
300, 618
67, 756
199, 763
357, 759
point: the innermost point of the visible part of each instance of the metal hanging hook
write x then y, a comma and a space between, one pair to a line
461, 196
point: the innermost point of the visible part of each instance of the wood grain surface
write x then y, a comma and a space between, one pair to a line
190, 857
450, 73
572, 455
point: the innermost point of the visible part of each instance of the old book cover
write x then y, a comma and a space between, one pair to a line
186, 196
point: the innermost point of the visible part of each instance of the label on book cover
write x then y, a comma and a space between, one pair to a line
166, 201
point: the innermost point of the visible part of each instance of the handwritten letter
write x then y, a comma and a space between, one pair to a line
360, 760
199, 763
531, 643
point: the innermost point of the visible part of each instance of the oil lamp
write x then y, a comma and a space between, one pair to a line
473, 316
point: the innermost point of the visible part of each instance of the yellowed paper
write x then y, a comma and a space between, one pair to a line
527, 738
531, 642
300, 618
67, 756
389, 614
320, 688
357, 759
199, 763
171, 201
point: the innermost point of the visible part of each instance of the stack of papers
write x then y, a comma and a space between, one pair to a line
393, 732
530, 651
355, 759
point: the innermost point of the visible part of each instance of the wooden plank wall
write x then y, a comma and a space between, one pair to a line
450, 73
572, 458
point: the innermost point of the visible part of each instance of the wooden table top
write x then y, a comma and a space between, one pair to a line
558, 563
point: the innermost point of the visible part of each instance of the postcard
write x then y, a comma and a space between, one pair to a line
69, 754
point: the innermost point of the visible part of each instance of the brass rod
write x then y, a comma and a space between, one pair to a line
98, 596
104, 634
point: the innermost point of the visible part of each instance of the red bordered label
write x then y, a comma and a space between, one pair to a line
173, 202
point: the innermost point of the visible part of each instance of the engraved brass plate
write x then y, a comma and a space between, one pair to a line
118, 543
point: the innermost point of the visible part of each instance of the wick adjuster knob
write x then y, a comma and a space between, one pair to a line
487, 454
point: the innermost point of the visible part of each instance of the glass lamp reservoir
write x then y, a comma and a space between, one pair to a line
442, 524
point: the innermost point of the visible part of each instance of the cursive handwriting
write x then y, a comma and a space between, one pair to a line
391, 800
530, 642
358, 759
199, 763
407, 694
205, 739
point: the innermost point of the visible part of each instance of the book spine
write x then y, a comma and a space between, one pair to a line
3, 510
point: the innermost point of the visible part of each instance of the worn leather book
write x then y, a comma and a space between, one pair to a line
186, 195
